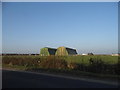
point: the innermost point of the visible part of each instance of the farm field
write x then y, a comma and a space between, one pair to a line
85, 59
77, 59
96, 64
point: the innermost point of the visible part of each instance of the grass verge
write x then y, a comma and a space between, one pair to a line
66, 72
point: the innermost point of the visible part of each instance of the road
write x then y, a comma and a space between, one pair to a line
19, 79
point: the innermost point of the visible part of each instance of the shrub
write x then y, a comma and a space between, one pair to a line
72, 65
94, 63
53, 63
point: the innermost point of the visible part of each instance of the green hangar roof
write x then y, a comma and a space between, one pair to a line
46, 51
63, 51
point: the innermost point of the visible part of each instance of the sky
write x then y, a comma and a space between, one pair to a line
0, 27
119, 27
86, 26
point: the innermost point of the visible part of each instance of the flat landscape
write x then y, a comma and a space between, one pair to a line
101, 66
60, 44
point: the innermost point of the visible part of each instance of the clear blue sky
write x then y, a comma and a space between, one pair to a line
0, 27
88, 27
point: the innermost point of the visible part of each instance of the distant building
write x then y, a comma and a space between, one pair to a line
115, 54
64, 51
61, 51
90, 54
84, 54
46, 51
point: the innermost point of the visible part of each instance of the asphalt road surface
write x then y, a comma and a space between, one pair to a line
17, 79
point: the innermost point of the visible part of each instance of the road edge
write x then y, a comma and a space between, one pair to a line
69, 77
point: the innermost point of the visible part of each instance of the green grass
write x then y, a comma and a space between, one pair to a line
85, 59
74, 73
78, 59
102, 63
13, 67
46, 63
